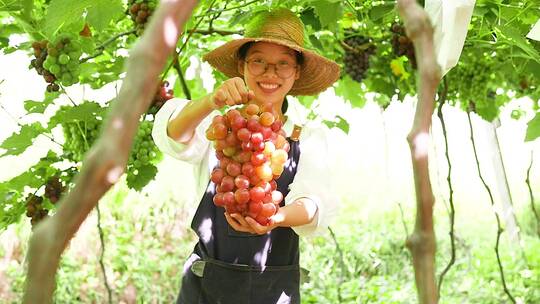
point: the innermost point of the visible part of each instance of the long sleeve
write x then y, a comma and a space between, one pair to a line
450, 19
314, 180
192, 152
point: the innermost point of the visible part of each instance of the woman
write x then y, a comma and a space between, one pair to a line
237, 260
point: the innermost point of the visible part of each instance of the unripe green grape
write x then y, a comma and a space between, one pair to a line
55, 69
63, 59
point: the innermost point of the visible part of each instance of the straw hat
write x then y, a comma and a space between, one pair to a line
280, 26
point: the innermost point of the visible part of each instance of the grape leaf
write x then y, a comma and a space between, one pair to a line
64, 12
308, 18
516, 38
329, 12
341, 124
18, 142
380, 11
32, 106
533, 128
87, 111
351, 91
102, 12
145, 174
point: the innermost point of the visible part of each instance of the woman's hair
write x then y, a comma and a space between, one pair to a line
242, 54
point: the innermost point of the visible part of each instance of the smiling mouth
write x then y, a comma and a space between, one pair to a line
268, 87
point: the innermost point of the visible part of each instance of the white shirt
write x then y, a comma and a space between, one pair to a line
313, 178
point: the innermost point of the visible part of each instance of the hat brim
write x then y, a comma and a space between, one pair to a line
316, 75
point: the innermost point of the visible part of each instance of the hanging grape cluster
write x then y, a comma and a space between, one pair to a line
252, 150
79, 137
163, 93
357, 53
35, 210
401, 44
474, 78
58, 61
41, 54
54, 189
140, 12
144, 151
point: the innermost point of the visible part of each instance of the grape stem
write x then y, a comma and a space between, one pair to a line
185, 87
185, 42
357, 49
226, 9
452, 215
101, 47
500, 229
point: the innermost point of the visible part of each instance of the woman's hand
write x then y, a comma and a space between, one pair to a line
231, 92
248, 224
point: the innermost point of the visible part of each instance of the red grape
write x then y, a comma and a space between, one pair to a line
227, 183
241, 182
256, 194
242, 196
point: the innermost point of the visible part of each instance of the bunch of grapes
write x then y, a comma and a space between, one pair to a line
41, 54
54, 189
57, 61
34, 209
357, 56
474, 79
401, 44
140, 12
63, 59
144, 151
79, 137
163, 93
252, 150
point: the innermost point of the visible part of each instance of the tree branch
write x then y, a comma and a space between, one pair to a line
421, 242
106, 161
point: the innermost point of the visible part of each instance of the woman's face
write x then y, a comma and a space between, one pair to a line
270, 86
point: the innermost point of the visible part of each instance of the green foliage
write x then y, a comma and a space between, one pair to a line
533, 128
104, 31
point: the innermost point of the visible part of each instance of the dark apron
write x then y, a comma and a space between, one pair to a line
228, 266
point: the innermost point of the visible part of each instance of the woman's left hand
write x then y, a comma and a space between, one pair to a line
248, 224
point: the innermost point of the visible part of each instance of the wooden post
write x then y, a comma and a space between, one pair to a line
106, 161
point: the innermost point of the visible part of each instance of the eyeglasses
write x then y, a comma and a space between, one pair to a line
283, 69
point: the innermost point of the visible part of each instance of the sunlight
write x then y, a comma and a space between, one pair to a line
421, 145
170, 32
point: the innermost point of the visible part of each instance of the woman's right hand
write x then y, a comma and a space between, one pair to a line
231, 92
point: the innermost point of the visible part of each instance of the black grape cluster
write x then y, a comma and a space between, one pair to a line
357, 56
35, 210
144, 151
401, 44
140, 12
79, 137
54, 189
